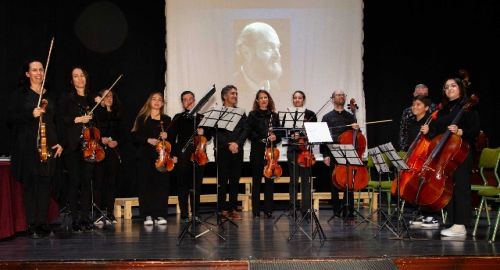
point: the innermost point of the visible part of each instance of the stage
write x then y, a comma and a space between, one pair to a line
255, 243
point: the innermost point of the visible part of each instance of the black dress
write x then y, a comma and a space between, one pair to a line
27, 168
153, 185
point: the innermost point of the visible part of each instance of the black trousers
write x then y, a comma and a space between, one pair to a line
229, 167
36, 199
153, 190
257, 161
459, 208
295, 172
80, 174
104, 184
184, 177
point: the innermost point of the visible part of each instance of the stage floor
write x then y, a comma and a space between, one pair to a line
252, 239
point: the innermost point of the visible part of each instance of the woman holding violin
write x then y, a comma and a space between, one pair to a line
36, 174
109, 118
339, 121
73, 107
298, 150
148, 134
190, 148
454, 97
263, 141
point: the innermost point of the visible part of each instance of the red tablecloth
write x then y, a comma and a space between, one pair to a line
12, 214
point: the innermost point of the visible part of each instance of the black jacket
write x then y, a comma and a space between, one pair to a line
149, 129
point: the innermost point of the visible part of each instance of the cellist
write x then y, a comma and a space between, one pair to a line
337, 120
258, 124
23, 117
148, 130
459, 207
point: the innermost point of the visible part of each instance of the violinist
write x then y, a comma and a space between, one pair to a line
296, 171
109, 118
181, 131
459, 207
259, 125
153, 185
229, 154
337, 120
408, 116
24, 115
73, 107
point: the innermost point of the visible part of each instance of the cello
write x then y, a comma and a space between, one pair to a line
415, 157
432, 187
272, 169
352, 177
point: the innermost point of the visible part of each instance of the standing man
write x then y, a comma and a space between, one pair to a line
229, 156
180, 132
337, 120
407, 117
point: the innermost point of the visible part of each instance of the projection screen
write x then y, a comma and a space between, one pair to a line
316, 47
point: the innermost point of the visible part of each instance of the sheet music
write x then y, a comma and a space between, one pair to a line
378, 160
345, 154
224, 117
394, 157
292, 118
318, 132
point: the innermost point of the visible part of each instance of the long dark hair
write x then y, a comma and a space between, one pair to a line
463, 92
270, 106
24, 81
116, 107
87, 80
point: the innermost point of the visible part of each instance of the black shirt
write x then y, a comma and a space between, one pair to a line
182, 129
337, 122
149, 129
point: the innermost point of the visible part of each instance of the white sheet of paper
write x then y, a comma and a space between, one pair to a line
318, 132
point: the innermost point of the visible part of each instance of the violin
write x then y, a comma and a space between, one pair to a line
164, 162
432, 187
305, 158
353, 177
43, 150
415, 157
91, 147
200, 153
272, 169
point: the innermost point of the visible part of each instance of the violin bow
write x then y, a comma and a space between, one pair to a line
45, 73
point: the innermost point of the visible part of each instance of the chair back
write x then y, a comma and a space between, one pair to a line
489, 160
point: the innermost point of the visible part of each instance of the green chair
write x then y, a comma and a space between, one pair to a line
489, 160
373, 185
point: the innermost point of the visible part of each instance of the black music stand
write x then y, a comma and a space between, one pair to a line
190, 227
221, 118
400, 165
317, 133
289, 122
381, 167
346, 154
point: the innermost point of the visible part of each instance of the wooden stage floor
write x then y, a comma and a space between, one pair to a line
129, 244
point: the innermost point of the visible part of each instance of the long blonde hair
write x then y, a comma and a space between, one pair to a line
145, 111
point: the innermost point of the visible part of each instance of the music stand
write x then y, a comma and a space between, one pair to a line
194, 220
317, 133
290, 121
221, 118
381, 167
400, 165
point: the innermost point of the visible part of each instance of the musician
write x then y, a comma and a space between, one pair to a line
259, 124
153, 185
296, 171
229, 156
181, 132
109, 118
454, 97
24, 117
407, 116
337, 120
73, 107
420, 108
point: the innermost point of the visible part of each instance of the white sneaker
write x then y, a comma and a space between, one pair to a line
148, 221
431, 223
161, 221
455, 230
417, 222
99, 223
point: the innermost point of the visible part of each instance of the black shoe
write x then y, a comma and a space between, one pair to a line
43, 230
269, 215
256, 215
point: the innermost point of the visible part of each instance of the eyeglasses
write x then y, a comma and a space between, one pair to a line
339, 95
